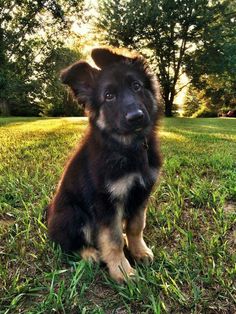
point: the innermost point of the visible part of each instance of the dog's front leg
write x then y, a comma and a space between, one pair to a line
136, 244
111, 245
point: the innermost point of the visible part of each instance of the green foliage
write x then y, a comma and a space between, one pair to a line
205, 112
198, 105
190, 224
32, 37
56, 100
224, 110
196, 37
192, 102
164, 30
212, 66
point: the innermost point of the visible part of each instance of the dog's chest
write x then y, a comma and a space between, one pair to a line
120, 188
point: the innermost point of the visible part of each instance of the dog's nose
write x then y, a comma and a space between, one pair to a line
134, 116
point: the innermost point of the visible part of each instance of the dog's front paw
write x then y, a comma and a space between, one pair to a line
140, 252
122, 271
143, 256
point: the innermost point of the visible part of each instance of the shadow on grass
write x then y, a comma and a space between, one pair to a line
18, 120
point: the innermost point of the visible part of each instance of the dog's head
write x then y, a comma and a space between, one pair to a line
121, 96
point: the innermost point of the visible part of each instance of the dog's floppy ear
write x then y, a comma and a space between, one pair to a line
104, 57
81, 78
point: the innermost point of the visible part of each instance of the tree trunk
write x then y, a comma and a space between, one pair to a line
168, 93
168, 108
4, 108
168, 101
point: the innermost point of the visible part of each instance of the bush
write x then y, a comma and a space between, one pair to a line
205, 112
223, 111
192, 102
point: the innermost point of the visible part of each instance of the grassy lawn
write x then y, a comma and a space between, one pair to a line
191, 224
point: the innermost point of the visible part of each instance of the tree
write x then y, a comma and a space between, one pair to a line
212, 67
166, 30
192, 102
30, 34
57, 101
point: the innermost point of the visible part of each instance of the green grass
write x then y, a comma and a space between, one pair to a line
191, 224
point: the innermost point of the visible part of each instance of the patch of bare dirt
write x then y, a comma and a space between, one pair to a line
230, 207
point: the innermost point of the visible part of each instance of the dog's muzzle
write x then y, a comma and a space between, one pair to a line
134, 117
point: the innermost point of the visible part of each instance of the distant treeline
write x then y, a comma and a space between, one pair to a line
196, 38
32, 53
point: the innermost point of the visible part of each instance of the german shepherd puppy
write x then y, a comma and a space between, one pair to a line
106, 184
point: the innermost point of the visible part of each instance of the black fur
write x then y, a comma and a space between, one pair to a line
112, 148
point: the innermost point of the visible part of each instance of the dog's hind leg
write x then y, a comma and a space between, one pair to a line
66, 228
136, 244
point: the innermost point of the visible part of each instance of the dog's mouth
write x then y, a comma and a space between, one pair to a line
126, 129
138, 127
134, 130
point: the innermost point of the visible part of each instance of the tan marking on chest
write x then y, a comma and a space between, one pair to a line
120, 187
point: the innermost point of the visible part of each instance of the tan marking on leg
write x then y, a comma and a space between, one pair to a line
90, 254
111, 249
136, 243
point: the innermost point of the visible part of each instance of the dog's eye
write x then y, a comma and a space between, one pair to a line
136, 86
109, 96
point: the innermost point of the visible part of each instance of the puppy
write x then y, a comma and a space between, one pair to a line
106, 184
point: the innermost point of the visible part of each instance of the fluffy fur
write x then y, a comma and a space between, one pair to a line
106, 184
